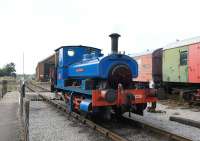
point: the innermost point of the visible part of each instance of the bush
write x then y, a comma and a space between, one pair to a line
8, 70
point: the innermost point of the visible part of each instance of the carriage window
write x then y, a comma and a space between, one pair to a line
183, 58
70, 52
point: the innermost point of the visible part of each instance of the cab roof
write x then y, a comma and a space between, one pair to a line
74, 46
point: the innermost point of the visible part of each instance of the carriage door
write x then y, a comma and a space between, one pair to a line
183, 66
194, 63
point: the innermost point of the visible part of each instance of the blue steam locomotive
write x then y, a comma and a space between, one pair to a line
92, 83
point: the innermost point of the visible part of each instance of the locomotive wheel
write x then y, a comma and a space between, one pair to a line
139, 112
140, 109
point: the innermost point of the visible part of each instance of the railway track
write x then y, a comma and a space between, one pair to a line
103, 129
91, 124
34, 87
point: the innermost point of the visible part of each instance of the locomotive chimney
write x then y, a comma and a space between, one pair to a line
114, 42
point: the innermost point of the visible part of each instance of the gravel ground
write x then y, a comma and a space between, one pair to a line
173, 109
162, 120
31, 95
180, 129
46, 85
48, 124
128, 131
132, 131
49, 94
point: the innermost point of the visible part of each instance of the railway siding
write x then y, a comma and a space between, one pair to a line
172, 129
128, 133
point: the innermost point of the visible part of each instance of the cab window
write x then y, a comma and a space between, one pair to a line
70, 52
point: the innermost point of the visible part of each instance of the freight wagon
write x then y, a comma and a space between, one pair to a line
149, 69
181, 68
176, 68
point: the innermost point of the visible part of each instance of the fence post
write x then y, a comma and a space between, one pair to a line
1, 89
4, 87
22, 94
27, 105
23, 89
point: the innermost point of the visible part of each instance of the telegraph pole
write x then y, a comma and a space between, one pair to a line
23, 68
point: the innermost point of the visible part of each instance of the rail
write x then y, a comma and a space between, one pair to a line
160, 130
100, 129
40, 87
185, 121
114, 136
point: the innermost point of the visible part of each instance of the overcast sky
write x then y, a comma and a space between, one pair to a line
37, 27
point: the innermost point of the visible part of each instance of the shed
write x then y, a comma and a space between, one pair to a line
44, 68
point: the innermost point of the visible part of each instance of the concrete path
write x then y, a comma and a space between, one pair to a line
9, 123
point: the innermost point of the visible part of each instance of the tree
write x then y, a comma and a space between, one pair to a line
8, 70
